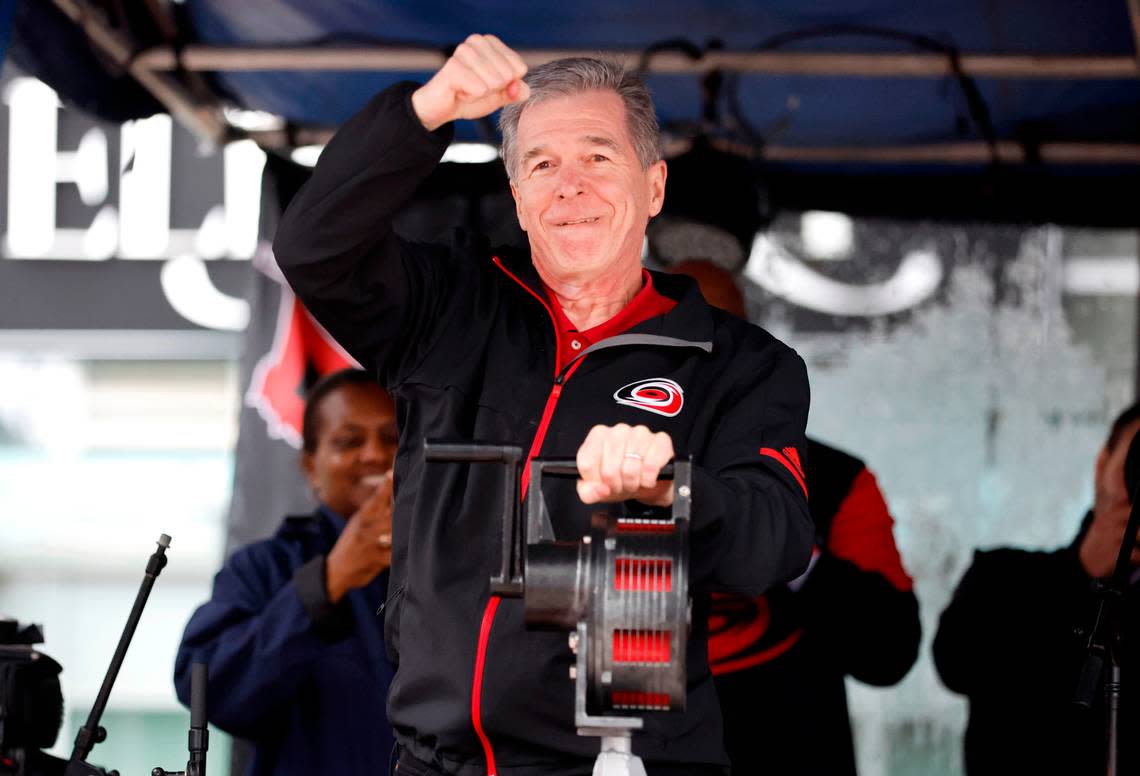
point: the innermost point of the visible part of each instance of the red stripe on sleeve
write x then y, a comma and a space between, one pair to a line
786, 464
794, 457
861, 532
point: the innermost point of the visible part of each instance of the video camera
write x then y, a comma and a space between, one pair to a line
31, 703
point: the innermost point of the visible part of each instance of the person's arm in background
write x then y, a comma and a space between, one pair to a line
1013, 605
858, 595
1014, 614
257, 641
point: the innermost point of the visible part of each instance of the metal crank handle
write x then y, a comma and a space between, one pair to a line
462, 452
568, 467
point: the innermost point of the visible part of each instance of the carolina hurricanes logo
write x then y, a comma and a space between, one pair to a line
657, 394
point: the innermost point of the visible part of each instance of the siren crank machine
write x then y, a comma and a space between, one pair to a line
621, 592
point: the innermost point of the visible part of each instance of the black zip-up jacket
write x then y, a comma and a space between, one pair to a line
463, 338
1013, 640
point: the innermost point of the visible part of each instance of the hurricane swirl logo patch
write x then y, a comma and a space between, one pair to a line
658, 395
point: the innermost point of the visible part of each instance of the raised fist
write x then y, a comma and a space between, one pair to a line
481, 76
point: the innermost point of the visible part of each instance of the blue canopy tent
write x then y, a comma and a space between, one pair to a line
978, 109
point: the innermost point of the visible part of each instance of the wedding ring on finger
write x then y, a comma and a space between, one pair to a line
635, 456
385, 540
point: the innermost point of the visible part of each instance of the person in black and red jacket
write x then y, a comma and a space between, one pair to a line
570, 349
780, 659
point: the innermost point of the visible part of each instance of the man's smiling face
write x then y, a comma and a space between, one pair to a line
580, 191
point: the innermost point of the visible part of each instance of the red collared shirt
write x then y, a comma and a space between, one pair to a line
645, 304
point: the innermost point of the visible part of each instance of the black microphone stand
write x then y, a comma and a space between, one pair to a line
1105, 639
199, 738
92, 732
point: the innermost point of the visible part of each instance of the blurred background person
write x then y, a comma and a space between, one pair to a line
780, 660
291, 633
1012, 640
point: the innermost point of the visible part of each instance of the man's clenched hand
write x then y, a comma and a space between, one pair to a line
481, 76
618, 463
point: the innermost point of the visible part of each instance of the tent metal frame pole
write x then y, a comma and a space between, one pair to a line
937, 153
1134, 17
397, 58
203, 119
963, 153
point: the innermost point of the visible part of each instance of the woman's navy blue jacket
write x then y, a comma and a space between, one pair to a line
305, 681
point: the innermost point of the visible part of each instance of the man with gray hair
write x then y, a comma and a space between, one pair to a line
529, 349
